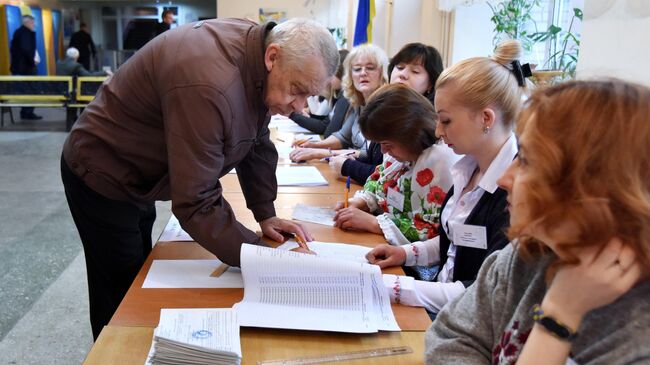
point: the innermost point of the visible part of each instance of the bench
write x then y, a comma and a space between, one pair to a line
48, 92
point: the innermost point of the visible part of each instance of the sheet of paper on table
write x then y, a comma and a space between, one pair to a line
308, 213
299, 176
174, 232
166, 274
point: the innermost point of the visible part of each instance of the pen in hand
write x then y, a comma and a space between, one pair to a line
345, 154
347, 192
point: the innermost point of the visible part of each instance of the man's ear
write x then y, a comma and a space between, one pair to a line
271, 56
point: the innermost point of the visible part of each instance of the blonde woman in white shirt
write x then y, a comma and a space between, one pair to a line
477, 101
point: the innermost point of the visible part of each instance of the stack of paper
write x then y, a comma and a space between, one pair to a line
320, 215
196, 336
286, 125
299, 176
286, 289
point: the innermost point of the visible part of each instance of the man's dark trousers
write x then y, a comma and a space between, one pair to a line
116, 237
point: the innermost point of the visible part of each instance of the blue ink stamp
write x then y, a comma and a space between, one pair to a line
201, 334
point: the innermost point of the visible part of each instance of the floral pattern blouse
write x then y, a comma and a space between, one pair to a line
423, 185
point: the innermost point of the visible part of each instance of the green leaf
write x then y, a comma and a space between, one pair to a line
577, 12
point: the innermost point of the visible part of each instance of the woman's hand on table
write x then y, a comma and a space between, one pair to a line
305, 154
386, 256
356, 219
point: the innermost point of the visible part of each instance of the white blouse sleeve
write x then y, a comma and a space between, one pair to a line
370, 199
423, 253
392, 234
416, 293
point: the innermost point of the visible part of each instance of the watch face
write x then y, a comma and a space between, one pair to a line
555, 328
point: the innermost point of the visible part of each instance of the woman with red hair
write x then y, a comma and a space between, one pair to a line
573, 287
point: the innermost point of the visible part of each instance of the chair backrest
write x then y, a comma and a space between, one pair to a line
36, 88
87, 87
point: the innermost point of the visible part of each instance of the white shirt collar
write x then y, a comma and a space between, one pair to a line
463, 169
499, 165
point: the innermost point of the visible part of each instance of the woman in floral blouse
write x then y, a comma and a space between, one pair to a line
402, 199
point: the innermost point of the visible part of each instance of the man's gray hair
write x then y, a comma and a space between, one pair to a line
72, 53
301, 38
27, 18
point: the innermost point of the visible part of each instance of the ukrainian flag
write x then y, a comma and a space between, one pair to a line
363, 28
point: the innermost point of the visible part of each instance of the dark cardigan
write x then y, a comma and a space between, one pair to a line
361, 168
324, 125
490, 212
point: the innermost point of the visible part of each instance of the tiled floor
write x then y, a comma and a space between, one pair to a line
43, 296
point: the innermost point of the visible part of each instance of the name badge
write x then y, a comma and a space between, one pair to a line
470, 236
395, 199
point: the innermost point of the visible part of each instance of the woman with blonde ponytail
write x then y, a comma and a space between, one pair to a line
477, 101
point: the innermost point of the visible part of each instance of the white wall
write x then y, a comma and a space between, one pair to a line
319, 10
615, 40
473, 32
411, 21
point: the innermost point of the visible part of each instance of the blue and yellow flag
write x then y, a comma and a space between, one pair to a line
363, 28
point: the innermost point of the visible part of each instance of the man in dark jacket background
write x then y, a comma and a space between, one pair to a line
83, 42
23, 56
166, 23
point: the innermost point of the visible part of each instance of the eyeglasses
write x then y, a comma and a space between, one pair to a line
367, 68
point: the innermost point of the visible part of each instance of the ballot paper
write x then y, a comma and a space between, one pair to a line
190, 274
320, 215
286, 289
174, 232
196, 336
330, 250
286, 125
309, 137
299, 176
283, 151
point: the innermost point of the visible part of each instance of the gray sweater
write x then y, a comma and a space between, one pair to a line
491, 321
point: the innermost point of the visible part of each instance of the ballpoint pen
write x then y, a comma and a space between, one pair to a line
347, 192
345, 154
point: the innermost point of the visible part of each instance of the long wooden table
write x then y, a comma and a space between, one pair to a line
127, 338
130, 345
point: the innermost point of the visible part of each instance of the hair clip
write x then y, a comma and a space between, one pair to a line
521, 72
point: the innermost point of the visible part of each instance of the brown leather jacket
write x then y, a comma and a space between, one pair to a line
176, 117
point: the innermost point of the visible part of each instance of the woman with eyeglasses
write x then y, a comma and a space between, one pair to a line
415, 65
365, 72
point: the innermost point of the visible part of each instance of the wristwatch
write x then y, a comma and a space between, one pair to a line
549, 323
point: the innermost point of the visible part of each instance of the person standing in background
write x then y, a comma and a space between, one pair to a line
24, 57
167, 21
83, 41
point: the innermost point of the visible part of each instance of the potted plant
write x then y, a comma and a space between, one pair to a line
564, 48
512, 20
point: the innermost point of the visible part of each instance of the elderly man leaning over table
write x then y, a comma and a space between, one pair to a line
186, 109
